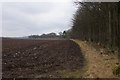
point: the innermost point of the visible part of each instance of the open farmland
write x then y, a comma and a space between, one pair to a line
35, 58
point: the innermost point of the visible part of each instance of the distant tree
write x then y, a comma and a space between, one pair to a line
60, 34
69, 34
33, 36
49, 35
43, 36
64, 34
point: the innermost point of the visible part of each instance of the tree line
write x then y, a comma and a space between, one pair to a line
97, 22
63, 34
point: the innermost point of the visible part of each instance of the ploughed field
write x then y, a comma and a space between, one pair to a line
31, 58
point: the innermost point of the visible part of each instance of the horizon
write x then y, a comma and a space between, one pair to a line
28, 35
25, 18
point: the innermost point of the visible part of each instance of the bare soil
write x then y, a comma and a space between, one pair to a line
31, 58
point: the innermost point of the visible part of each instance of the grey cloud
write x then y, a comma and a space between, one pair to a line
21, 19
30, 7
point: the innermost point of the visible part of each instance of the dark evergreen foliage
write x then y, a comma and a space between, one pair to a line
97, 22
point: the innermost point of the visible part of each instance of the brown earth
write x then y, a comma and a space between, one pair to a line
30, 58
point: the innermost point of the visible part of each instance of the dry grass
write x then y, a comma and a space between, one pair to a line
98, 65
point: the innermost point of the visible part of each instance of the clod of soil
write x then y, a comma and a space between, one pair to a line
28, 58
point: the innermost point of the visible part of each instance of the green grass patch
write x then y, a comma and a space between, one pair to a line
116, 70
78, 73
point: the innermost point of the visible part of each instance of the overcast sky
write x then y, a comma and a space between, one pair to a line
26, 18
